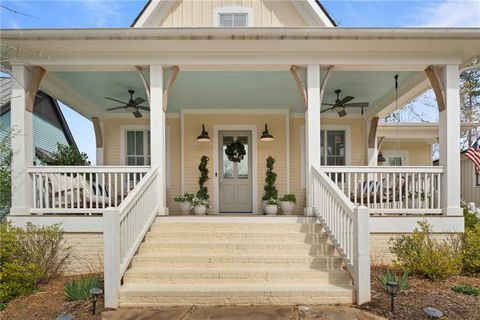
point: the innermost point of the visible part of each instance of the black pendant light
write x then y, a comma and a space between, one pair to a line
381, 158
266, 136
204, 135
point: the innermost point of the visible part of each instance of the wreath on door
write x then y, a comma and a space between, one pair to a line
235, 151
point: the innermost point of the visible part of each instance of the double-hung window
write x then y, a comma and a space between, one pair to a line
137, 148
477, 179
332, 144
233, 19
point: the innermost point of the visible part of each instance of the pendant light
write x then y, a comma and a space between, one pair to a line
266, 136
381, 158
203, 137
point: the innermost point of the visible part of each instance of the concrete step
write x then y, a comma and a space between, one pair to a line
247, 248
238, 236
231, 275
234, 261
235, 227
150, 295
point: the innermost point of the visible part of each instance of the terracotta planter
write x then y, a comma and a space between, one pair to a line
287, 207
200, 210
185, 207
271, 209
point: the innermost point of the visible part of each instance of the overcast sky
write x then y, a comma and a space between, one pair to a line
111, 14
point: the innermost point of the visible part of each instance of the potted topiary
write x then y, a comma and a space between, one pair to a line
287, 202
271, 207
271, 191
185, 202
199, 206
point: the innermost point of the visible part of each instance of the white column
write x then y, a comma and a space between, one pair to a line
312, 128
157, 131
449, 138
22, 145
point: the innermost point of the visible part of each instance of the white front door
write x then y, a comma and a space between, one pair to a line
235, 178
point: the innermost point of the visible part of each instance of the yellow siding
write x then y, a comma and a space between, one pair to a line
419, 153
175, 187
295, 164
266, 13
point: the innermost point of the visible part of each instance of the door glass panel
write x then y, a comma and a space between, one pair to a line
395, 161
335, 148
228, 165
242, 167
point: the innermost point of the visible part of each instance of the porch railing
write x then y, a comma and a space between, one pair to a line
347, 226
390, 190
124, 229
82, 189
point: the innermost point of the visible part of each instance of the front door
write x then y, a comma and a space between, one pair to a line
235, 178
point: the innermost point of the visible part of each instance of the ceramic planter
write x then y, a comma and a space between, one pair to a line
287, 207
264, 206
185, 207
200, 210
271, 209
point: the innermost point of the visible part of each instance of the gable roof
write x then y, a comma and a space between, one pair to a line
44, 106
319, 10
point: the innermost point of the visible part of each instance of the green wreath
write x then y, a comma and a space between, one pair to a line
235, 151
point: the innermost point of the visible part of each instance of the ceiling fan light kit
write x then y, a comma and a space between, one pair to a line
341, 104
133, 105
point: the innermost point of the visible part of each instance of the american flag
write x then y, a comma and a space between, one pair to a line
474, 154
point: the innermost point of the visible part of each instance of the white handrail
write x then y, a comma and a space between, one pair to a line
124, 229
347, 227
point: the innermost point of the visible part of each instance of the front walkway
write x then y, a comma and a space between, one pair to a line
243, 313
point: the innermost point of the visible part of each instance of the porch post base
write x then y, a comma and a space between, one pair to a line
452, 211
309, 212
19, 211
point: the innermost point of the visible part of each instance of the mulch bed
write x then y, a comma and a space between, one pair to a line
48, 303
422, 293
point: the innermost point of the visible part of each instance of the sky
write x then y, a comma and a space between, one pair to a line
121, 13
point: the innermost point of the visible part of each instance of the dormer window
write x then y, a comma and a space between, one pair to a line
232, 17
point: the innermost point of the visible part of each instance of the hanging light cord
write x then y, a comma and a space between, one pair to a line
396, 110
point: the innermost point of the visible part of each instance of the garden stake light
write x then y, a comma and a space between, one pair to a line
95, 292
393, 288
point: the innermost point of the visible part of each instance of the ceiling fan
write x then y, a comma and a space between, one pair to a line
340, 105
132, 105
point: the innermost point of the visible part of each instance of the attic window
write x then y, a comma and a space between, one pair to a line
233, 17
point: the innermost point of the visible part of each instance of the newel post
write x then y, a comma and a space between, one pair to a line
111, 256
361, 254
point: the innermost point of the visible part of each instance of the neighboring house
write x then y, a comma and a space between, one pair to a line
209, 73
49, 125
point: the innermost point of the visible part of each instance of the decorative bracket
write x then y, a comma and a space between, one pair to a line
303, 91
373, 132
437, 87
145, 83
37, 75
171, 80
98, 132
323, 86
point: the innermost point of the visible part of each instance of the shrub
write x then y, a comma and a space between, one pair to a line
471, 249
271, 191
466, 289
79, 288
471, 219
28, 257
422, 254
202, 192
186, 197
290, 197
5, 173
391, 276
66, 155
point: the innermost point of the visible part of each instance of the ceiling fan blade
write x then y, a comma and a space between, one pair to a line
328, 104
108, 98
328, 109
346, 99
137, 114
342, 113
115, 108
138, 101
143, 108
357, 105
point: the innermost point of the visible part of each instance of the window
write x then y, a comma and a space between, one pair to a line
477, 179
233, 17
332, 145
137, 147
395, 158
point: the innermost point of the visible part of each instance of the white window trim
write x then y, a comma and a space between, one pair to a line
303, 150
233, 10
397, 153
475, 179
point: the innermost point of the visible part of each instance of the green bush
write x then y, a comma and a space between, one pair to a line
271, 191
471, 219
79, 288
28, 257
290, 197
466, 289
421, 253
471, 249
66, 155
391, 276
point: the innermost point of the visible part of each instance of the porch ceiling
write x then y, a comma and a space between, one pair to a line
226, 89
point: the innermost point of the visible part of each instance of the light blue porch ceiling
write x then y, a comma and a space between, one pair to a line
224, 90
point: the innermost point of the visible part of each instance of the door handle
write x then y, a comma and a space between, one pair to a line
220, 181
